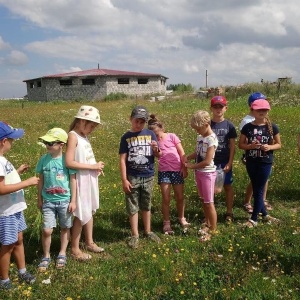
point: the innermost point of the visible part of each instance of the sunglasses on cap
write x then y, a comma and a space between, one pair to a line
51, 143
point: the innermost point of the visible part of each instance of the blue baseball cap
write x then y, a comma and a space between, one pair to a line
255, 96
6, 131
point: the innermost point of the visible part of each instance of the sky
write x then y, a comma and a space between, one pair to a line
234, 41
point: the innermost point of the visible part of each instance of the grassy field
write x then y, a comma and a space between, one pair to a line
263, 263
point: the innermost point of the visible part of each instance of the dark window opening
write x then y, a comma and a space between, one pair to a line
31, 84
123, 80
39, 84
65, 82
88, 81
162, 81
143, 80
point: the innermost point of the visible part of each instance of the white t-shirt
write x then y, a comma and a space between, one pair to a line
13, 202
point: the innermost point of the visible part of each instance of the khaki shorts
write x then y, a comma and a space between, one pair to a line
140, 196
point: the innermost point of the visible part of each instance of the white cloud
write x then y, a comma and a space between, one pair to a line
3, 45
16, 58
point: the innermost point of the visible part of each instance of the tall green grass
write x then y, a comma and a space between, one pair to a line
237, 264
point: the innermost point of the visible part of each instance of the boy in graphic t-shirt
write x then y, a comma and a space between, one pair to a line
138, 147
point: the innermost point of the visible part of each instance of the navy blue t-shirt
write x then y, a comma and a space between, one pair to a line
140, 158
224, 131
261, 134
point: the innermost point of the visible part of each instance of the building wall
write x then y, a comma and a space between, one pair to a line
51, 89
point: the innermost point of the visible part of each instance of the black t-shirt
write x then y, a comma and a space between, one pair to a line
261, 134
224, 131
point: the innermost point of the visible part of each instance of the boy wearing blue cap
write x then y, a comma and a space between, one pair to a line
12, 204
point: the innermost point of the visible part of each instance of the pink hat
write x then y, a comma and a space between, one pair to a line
260, 104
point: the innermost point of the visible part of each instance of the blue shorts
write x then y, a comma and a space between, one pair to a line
57, 209
10, 226
171, 177
228, 176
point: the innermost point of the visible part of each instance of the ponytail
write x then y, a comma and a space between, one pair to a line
270, 129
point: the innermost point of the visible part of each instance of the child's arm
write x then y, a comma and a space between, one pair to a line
205, 162
182, 159
40, 188
228, 166
11, 188
155, 148
243, 143
72, 205
125, 182
70, 157
275, 146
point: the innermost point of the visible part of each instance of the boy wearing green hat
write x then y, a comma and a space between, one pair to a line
56, 195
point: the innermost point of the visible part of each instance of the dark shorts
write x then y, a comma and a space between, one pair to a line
140, 196
171, 177
228, 176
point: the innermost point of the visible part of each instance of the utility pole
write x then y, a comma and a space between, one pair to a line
206, 79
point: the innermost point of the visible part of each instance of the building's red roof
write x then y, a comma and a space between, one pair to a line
98, 72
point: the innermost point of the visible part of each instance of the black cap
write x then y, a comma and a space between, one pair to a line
140, 112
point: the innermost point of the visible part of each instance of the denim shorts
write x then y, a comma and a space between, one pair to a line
56, 210
140, 196
171, 177
228, 176
10, 226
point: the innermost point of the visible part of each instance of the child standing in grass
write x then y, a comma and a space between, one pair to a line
205, 169
12, 204
247, 119
56, 195
259, 139
80, 156
226, 133
171, 172
138, 147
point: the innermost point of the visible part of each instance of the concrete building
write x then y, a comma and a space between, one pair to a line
94, 84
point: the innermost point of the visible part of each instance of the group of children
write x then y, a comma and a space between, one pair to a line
68, 183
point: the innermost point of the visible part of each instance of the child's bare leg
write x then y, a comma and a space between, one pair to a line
146, 215
229, 194
179, 197
265, 190
210, 215
166, 199
88, 232
5, 255
18, 252
64, 240
134, 220
46, 241
76, 234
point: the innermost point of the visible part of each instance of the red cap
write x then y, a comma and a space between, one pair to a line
218, 100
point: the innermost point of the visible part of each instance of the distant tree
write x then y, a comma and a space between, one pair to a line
180, 87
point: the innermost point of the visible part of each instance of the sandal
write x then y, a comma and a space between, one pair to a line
248, 208
183, 222
250, 224
270, 220
167, 228
44, 264
61, 261
94, 248
268, 206
229, 217
81, 256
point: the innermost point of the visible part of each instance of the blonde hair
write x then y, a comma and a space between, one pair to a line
200, 118
270, 129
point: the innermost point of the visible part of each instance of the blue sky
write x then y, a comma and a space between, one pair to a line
236, 41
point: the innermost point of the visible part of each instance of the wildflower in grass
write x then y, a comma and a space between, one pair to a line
154, 255
181, 292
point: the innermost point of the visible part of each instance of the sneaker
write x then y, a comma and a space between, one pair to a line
153, 237
250, 224
27, 277
133, 242
6, 285
270, 220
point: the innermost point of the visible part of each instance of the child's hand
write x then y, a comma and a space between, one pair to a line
32, 180
127, 186
189, 165
98, 166
154, 146
23, 168
72, 207
184, 172
227, 168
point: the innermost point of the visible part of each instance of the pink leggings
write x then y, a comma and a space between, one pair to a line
205, 182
